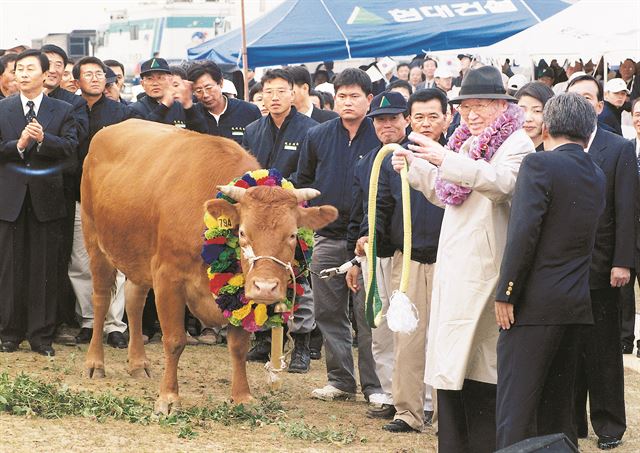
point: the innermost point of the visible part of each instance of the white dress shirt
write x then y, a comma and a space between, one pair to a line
36, 108
593, 135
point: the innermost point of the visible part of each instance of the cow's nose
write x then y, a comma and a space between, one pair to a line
265, 287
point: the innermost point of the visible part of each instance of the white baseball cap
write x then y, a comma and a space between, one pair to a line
616, 86
576, 74
517, 81
228, 87
443, 72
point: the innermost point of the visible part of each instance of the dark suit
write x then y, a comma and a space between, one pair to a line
558, 199
611, 116
600, 371
627, 293
321, 115
32, 207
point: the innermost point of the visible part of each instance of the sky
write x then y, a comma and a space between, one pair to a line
24, 20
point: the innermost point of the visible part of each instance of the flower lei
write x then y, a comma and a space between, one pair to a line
484, 147
221, 252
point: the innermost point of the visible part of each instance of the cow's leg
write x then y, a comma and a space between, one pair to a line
104, 277
238, 344
170, 305
135, 296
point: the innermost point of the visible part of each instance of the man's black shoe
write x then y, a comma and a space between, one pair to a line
399, 426
315, 344
84, 336
300, 356
117, 340
627, 348
44, 349
608, 443
261, 350
381, 411
8, 346
428, 418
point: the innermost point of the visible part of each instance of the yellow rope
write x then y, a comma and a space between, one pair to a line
373, 302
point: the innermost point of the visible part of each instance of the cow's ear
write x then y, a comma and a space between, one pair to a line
218, 208
316, 218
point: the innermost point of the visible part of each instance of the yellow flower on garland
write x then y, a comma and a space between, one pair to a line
242, 313
236, 280
259, 174
210, 274
286, 184
260, 314
210, 221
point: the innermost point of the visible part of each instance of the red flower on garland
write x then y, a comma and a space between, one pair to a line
218, 281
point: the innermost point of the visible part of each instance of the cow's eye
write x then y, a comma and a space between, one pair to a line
242, 235
293, 237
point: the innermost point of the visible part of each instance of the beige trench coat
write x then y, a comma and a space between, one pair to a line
463, 332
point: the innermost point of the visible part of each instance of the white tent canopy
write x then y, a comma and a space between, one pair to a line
589, 29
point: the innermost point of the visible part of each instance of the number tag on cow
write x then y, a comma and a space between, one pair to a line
225, 222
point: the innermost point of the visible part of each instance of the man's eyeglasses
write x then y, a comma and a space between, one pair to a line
271, 93
479, 109
90, 75
208, 89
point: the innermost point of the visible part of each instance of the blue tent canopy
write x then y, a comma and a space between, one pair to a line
299, 31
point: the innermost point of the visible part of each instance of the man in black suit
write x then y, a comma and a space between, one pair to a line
601, 372
628, 297
301, 100
542, 298
37, 135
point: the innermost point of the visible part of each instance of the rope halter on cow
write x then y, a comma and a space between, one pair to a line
402, 315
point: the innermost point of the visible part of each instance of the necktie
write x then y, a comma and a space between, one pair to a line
31, 114
638, 160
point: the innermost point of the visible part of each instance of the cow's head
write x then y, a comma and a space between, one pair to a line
268, 219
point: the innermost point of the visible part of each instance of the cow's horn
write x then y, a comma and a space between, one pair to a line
234, 192
305, 194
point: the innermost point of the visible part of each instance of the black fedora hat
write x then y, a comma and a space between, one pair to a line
482, 83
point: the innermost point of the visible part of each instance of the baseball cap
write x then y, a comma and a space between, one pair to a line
228, 87
154, 65
388, 103
443, 72
517, 81
616, 86
110, 76
576, 74
547, 72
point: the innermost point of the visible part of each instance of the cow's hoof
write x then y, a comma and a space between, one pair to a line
140, 373
167, 405
95, 373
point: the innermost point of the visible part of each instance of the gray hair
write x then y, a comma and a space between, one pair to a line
570, 115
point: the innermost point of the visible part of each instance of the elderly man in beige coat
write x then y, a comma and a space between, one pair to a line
473, 178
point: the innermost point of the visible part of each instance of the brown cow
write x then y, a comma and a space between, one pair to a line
143, 190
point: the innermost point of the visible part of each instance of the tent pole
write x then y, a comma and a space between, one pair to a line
245, 63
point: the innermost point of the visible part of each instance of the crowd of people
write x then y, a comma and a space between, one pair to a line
523, 262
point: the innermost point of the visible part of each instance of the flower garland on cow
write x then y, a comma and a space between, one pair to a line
221, 252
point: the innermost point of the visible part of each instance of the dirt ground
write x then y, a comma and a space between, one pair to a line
204, 380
